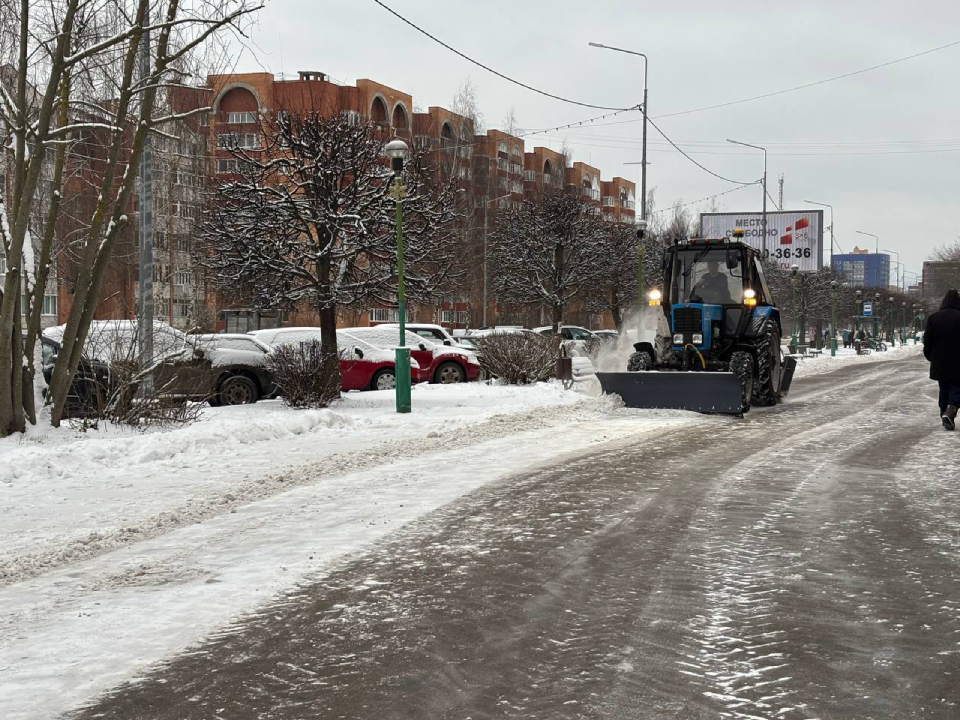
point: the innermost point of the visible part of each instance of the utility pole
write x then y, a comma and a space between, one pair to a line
781, 191
145, 279
763, 221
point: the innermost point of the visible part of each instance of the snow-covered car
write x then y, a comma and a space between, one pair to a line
89, 387
438, 363
608, 336
363, 365
434, 333
575, 337
180, 366
233, 341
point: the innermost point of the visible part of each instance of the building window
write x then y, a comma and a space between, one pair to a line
238, 140
226, 166
181, 308
181, 278
49, 304
240, 118
184, 244
608, 200
391, 315
186, 210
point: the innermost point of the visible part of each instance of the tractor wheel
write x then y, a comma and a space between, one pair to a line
741, 364
639, 361
766, 386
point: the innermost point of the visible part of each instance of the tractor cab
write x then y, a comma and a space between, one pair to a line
712, 289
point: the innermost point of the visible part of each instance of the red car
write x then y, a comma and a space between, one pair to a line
438, 363
363, 365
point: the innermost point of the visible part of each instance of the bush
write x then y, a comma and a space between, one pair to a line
299, 371
519, 358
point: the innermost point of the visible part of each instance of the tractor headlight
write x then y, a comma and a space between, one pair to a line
678, 339
750, 297
654, 296
697, 339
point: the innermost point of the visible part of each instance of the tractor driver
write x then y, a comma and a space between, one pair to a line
712, 288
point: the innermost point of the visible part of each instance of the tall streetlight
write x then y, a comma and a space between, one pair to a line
483, 319
643, 158
859, 294
827, 205
877, 238
899, 264
889, 319
903, 323
641, 227
763, 222
397, 151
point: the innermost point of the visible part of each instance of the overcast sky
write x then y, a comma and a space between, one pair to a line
701, 53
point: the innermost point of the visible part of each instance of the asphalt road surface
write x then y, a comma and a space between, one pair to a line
801, 563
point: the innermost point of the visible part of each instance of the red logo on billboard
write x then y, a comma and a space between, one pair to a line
787, 239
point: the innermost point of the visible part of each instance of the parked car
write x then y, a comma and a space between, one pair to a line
90, 386
434, 333
608, 336
575, 337
438, 363
232, 341
179, 366
363, 366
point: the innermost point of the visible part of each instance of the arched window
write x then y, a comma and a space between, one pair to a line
502, 148
547, 172
378, 111
446, 136
400, 121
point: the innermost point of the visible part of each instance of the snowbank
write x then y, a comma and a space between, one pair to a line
848, 356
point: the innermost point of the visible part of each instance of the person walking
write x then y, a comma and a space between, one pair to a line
941, 346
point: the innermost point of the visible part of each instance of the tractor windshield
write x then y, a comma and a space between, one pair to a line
701, 275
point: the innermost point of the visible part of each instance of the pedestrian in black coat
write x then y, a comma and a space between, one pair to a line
941, 346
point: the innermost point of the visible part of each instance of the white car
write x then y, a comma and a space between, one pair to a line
438, 363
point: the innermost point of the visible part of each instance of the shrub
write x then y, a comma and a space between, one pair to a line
519, 358
304, 375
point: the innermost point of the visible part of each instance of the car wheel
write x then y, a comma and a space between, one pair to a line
238, 390
448, 373
385, 379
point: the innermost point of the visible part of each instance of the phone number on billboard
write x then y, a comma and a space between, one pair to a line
787, 253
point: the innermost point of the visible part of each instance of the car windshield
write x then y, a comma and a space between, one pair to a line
703, 277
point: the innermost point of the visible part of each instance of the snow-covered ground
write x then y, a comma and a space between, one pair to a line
825, 363
119, 549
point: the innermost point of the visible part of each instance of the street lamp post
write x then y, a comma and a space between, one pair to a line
877, 238
763, 221
833, 318
876, 316
827, 205
643, 158
397, 150
899, 264
889, 319
641, 231
793, 339
859, 311
903, 323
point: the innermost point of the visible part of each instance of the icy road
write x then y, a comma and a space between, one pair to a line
801, 563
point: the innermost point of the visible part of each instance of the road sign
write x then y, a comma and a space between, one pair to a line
867, 309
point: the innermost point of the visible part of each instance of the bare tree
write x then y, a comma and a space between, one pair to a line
310, 220
618, 292
549, 251
74, 72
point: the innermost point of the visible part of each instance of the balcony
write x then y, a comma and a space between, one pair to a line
530, 176
629, 205
503, 164
516, 168
608, 201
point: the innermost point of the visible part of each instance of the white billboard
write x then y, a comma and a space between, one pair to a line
792, 237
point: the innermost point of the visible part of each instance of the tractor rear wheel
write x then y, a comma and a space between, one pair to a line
767, 385
741, 365
640, 360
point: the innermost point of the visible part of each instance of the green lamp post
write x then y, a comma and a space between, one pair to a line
397, 150
833, 318
859, 310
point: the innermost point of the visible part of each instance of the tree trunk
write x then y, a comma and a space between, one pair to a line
616, 310
328, 346
557, 316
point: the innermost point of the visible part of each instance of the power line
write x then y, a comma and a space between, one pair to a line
487, 67
798, 87
710, 197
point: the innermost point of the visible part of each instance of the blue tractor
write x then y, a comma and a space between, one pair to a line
721, 351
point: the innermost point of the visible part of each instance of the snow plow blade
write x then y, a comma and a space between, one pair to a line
704, 392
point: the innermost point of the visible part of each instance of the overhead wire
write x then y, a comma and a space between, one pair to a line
709, 197
490, 69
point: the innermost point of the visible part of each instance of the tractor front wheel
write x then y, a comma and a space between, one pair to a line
767, 385
640, 360
741, 365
